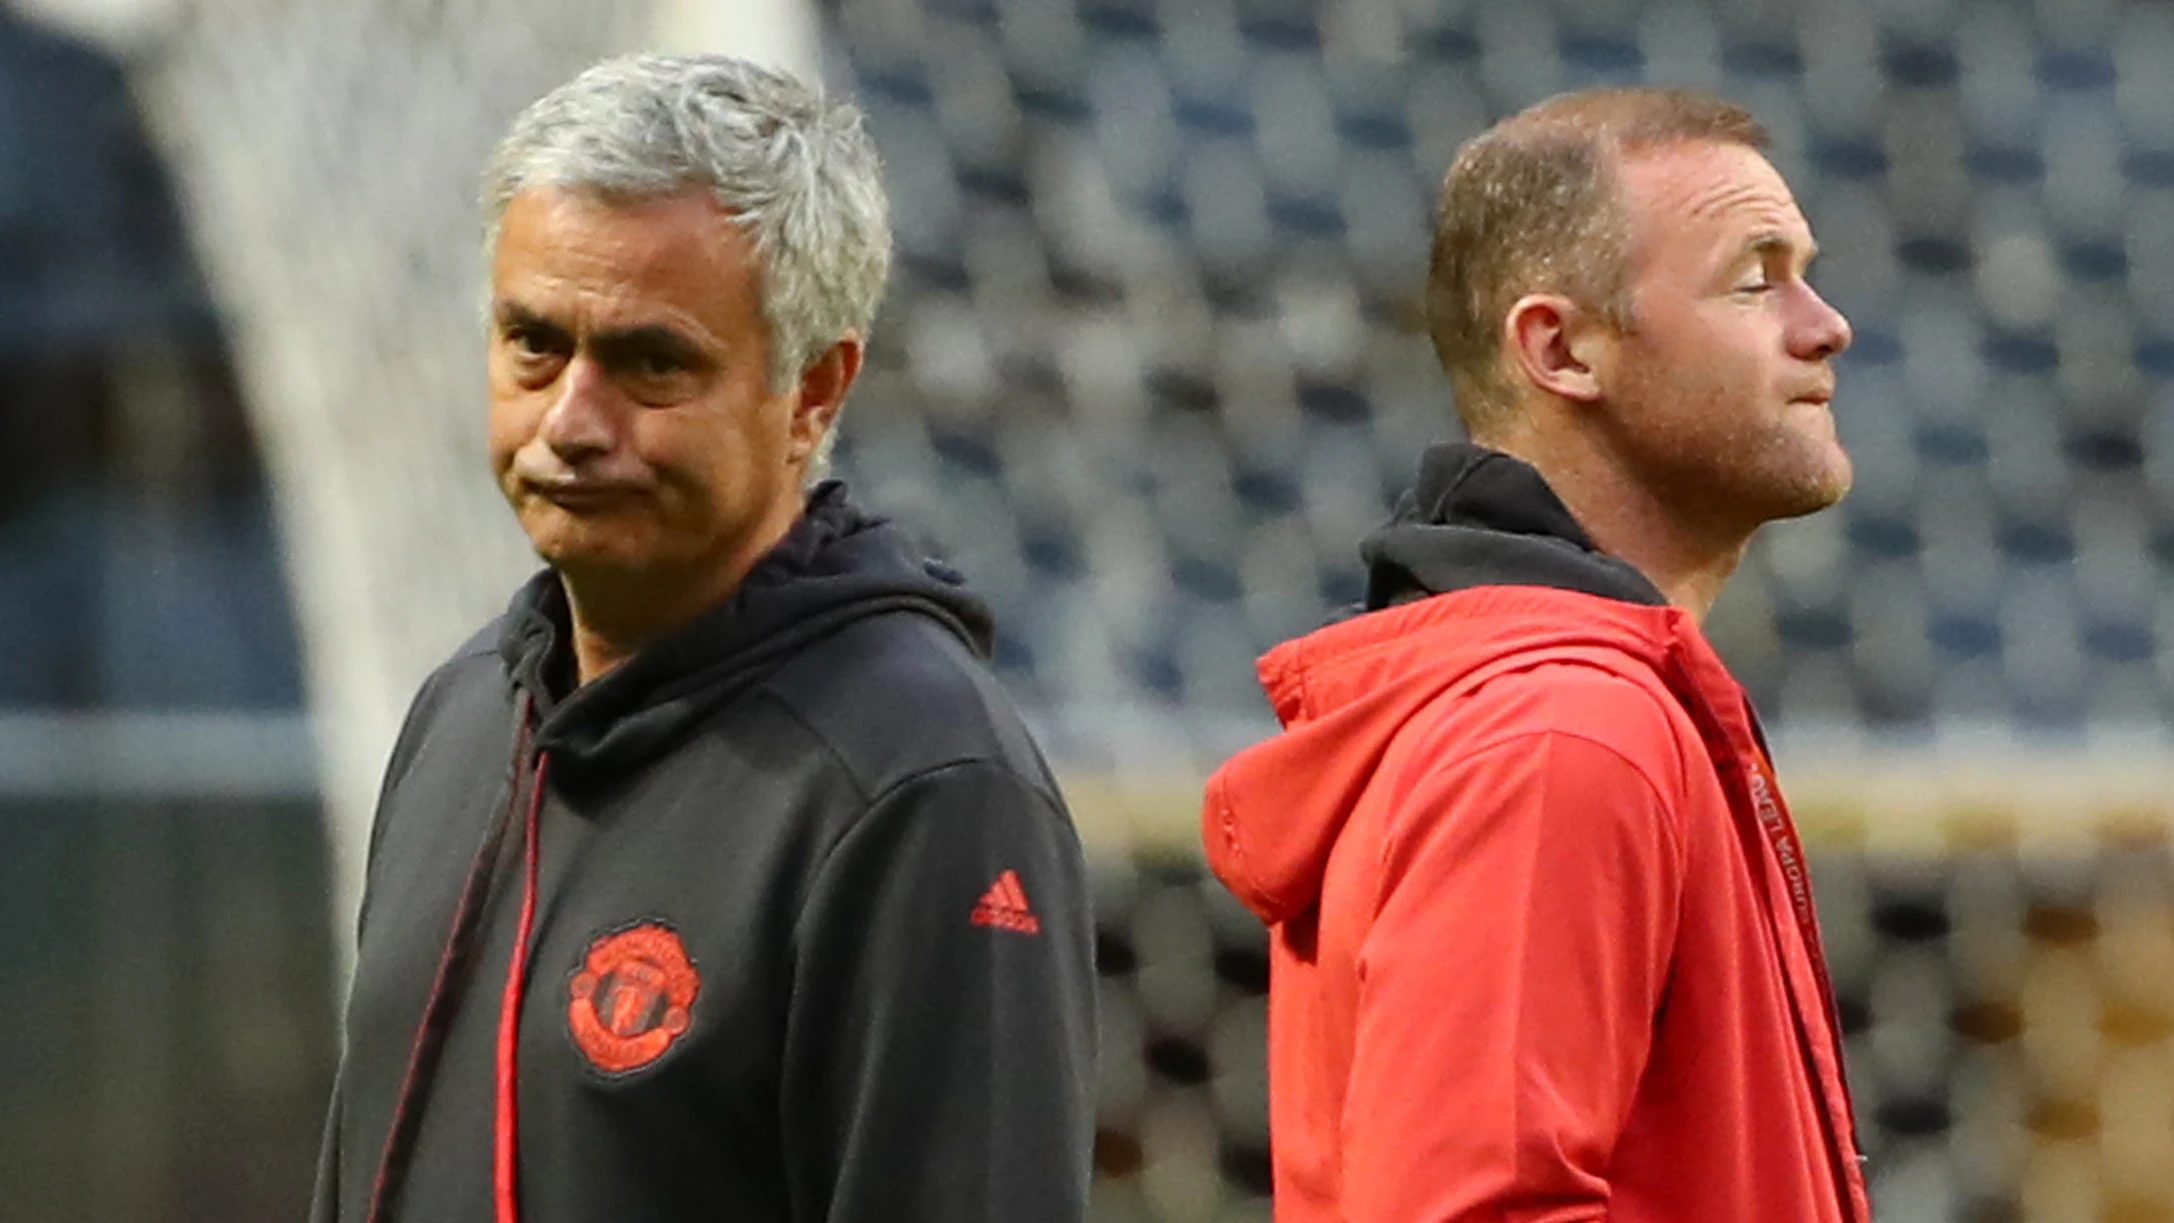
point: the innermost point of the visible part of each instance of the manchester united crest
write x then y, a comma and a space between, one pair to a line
632, 997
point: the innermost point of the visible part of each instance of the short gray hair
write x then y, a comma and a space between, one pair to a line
796, 170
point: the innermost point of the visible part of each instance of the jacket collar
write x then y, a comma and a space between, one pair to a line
1479, 517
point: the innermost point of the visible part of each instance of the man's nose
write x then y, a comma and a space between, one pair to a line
583, 420
1822, 331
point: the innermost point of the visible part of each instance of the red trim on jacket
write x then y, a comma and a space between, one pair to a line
506, 1113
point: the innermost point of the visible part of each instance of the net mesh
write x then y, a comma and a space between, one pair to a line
329, 153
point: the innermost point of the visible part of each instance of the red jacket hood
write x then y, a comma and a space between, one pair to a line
1272, 813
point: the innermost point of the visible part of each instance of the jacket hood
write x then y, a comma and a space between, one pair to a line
1482, 568
835, 566
1481, 518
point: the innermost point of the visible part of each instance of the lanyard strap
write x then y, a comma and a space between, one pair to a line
1788, 848
1772, 836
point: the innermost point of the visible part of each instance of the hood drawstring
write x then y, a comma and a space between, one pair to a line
446, 988
506, 1149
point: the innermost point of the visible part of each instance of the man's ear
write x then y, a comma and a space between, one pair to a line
822, 390
1556, 345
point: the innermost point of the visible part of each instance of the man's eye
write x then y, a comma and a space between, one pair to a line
527, 341
658, 365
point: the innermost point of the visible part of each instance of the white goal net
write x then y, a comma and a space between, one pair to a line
328, 155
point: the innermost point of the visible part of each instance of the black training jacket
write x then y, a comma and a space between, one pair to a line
809, 931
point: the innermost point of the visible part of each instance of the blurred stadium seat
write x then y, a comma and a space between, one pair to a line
1154, 364
1158, 303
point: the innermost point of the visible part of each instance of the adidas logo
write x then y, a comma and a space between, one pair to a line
1004, 906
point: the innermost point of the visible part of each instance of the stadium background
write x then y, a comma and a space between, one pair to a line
1149, 367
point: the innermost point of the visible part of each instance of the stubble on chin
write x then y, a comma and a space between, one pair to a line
567, 541
1810, 469
1730, 482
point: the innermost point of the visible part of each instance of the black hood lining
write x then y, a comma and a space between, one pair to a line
1479, 517
836, 566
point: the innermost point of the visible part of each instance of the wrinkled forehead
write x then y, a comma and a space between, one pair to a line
664, 236
1696, 194
579, 260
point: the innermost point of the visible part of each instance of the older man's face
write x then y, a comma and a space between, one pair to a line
632, 424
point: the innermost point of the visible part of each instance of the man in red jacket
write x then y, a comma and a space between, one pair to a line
1543, 942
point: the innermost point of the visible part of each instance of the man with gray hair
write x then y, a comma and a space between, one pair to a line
718, 879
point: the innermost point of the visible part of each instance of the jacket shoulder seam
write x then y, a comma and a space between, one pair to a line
1671, 816
1399, 829
1049, 807
873, 797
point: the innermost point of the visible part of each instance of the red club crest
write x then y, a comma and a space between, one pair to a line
632, 997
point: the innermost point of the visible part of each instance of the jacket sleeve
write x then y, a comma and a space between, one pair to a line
939, 1060
1509, 985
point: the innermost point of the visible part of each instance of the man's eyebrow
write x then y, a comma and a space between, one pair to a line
511, 314
650, 338
645, 333
1774, 242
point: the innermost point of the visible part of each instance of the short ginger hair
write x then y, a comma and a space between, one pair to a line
1533, 204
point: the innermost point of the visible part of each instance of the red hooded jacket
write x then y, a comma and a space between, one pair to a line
1542, 941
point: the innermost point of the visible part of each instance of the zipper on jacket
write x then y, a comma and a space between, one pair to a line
1844, 1158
